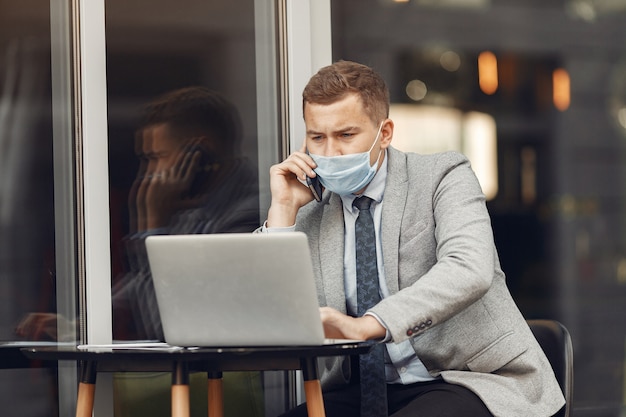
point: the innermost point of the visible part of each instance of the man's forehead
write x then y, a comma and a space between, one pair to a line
351, 98
160, 139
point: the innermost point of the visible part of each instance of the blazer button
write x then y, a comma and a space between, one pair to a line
422, 326
409, 332
429, 322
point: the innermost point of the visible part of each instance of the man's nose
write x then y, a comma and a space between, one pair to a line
151, 167
332, 148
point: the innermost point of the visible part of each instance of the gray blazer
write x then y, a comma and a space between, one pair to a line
448, 293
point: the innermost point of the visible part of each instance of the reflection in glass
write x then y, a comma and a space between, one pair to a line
182, 134
184, 146
192, 178
28, 254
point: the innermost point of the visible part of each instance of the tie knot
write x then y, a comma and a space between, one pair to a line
362, 203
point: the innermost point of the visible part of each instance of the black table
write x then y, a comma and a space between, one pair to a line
12, 357
181, 361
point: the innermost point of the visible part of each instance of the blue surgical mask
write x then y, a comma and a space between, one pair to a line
346, 174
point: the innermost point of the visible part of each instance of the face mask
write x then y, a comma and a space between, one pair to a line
346, 174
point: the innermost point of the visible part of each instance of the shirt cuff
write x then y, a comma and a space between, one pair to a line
382, 323
265, 229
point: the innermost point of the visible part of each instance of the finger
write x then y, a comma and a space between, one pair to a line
184, 163
190, 165
301, 165
196, 141
19, 329
27, 328
38, 330
154, 178
308, 158
300, 171
184, 159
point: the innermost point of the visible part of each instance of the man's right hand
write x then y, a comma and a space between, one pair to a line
288, 192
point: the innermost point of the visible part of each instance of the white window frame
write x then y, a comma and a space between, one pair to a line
92, 185
308, 48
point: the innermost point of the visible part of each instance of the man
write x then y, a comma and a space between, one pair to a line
192, 179
455, 342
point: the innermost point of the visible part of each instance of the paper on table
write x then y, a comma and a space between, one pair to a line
26, 344
131, 345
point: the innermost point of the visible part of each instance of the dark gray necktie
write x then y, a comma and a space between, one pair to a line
372, 365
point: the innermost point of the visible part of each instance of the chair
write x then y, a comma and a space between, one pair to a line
555, 340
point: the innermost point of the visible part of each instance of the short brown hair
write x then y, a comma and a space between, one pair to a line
196, 111
333, 82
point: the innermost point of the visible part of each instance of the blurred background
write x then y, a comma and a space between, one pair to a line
533, 91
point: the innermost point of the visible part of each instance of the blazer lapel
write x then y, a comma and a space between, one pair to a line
331, 253
394, 201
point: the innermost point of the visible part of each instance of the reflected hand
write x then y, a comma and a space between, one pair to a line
165, 191
44, 326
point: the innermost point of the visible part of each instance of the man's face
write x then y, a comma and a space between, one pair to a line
159, 148
343, 128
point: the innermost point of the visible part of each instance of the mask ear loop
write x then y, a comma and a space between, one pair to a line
380, 128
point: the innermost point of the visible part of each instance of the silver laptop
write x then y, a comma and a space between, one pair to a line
236, 289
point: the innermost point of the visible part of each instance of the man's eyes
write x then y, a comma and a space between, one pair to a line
344, 135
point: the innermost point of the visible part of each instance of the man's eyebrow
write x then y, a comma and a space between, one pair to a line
347, 128
337, 131
158, 153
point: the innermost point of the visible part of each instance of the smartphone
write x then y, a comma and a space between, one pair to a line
315, 187
205, 168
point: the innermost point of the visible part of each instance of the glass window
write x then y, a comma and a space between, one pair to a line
541, 84
183, 142
37, 222
193, 128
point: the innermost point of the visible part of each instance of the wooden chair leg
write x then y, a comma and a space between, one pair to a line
216, 394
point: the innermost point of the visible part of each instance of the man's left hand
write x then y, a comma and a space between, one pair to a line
341, 326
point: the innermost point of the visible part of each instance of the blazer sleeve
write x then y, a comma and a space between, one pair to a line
446, 253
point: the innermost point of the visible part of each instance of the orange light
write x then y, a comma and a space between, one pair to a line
488, 72
561, 94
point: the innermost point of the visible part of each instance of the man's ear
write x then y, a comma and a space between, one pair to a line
386, 133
